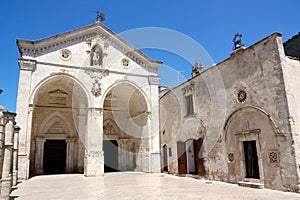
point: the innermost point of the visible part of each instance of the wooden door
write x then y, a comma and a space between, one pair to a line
181, 155
198, 157
165, 158
251, 159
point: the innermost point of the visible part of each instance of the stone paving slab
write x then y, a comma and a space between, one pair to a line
136, 186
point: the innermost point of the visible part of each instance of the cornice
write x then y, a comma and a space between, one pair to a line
27, 64
86, 34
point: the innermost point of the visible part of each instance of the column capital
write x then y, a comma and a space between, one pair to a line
40, 139
153, 80
27, 64
71, 139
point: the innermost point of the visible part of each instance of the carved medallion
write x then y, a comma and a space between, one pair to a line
231, 157
96, 89
273, 157
65, 54
125, 63
242, 96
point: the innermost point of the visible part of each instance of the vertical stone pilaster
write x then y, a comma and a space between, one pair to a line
7, 155
15, 155
70, 154
154, 125
94, 158
39, 154
24, 110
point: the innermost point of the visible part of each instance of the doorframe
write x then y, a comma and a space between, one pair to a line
250, 136
165, 162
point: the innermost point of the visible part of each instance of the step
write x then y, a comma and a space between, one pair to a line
251, 184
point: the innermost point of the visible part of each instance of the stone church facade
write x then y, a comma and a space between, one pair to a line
87, 102
238, 121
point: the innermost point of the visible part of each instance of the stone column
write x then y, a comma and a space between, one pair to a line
27, 68
70, 154
123, 154
154, 125
39, 155
94, 158
15, 155
6, 181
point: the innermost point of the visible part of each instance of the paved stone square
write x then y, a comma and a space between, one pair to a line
135, 185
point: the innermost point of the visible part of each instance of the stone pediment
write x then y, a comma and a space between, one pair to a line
85, 34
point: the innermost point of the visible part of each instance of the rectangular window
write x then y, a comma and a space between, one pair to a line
189, 105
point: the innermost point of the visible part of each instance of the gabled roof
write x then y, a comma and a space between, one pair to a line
34, 48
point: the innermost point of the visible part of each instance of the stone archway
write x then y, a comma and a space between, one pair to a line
126, 125
58, 124
251, 139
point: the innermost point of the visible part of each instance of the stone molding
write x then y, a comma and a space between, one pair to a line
27, 65
154, 80
187, 90
86, 34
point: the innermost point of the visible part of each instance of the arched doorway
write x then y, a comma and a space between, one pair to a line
125, 128
251, 138
58, 121
189, 157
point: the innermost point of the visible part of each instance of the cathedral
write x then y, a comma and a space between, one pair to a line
89, 102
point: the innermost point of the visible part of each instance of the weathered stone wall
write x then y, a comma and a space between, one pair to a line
291, 71
218, 92
9, 136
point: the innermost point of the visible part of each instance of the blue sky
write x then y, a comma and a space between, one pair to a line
211, 23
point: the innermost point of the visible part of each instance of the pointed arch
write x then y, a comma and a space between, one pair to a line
51, 119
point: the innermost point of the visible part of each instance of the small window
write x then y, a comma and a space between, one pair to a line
189, 105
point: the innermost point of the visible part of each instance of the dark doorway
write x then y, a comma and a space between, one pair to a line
251, 160
54, 156
165, 158
181, 155
198, 158
110, 148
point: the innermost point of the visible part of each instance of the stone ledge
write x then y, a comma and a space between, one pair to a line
251, 185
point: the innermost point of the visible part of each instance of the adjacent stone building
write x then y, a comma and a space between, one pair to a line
87, 102
9, 135
238, 121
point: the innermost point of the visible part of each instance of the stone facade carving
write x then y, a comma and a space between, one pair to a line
154, 80
273, 157
96, 89
28, 65
188, 90
96, 56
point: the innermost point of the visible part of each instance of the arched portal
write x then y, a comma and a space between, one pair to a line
58, 123
251, 138
125, 128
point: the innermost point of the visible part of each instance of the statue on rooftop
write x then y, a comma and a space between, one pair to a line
237, 41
